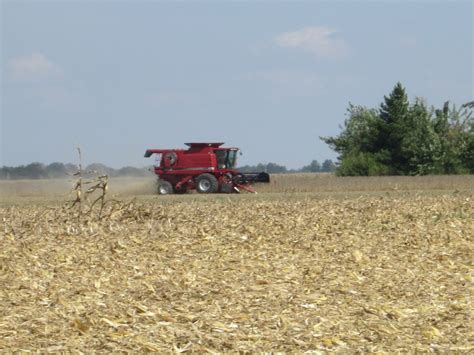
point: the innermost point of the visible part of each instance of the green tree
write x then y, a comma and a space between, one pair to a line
313, 167
467, 133
360, 152
328, 166
404, 139
275, 168
101, 169
394, 117
34, 171
420, 146
360, 132
56, 170
449, 158
361, 164
455, 129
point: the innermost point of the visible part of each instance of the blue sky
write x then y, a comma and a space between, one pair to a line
117, 78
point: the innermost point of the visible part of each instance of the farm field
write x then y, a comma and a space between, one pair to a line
312, 263
323, 185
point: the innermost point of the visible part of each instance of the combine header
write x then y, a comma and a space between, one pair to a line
206, 167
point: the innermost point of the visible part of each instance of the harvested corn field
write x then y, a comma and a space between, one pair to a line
54, 190
374, 273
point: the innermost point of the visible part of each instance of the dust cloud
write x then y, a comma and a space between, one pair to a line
63, 188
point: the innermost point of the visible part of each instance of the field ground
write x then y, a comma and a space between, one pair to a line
292, 185
312, 263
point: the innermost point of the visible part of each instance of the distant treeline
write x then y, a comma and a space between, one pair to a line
60, 170
314, 167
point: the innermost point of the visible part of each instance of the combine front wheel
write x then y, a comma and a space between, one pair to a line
206, 184
182, 190
225, 184
165, 188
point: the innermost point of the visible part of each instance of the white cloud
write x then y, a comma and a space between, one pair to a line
33, 67
42, 81
321, 41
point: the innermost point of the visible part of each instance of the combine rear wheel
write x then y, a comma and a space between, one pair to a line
206, 184
165, 187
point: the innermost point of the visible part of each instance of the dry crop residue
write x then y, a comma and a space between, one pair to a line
369, 274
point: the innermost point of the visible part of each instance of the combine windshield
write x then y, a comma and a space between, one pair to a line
231, 159
226, 159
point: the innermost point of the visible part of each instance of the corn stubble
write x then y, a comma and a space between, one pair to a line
369, 274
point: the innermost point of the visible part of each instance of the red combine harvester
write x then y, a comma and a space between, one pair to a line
206, 167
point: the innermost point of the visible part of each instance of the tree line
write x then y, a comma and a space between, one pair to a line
61, 170
403, 138
327, 166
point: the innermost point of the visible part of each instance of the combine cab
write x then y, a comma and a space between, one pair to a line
205, 167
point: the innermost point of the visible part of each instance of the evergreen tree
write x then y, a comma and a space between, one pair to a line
392, 126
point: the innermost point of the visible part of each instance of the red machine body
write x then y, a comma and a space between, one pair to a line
206, 167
